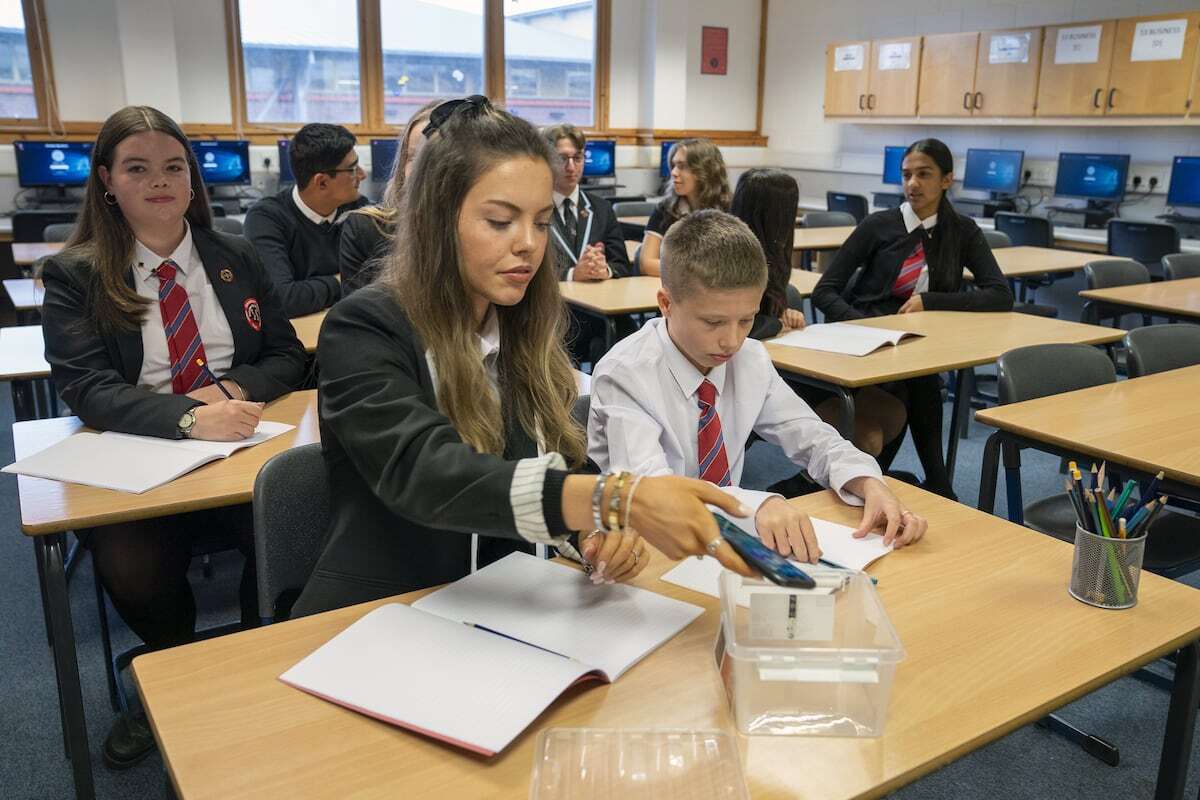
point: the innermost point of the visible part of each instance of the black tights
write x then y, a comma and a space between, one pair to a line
143, 566
923, 399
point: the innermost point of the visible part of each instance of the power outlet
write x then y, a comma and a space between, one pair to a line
1040, 174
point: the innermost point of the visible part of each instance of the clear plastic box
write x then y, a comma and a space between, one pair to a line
632, 764
798, 662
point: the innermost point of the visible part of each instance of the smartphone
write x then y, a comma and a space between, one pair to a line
773, 566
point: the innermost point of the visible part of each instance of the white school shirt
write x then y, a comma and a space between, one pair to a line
309, 214
644, 417
210, 317
911, 223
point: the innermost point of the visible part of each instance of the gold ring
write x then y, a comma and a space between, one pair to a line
636, 556
714, 545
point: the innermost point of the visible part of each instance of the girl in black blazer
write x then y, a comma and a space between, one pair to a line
912, 259
446, 392
142, 290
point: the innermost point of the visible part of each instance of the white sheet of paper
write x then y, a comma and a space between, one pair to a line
266, 430
839, 337
436, 676
848, 58
1078, 45
558, 608
1158, 40
1009, 48
895, 55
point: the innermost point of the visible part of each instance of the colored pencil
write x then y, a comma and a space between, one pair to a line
1144, 530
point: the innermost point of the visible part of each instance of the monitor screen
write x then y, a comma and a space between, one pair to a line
664, 160
53, 163
893, 157
285, 163
223, 163
600, 158
996, 171
383, 154
1185, 182
1092, 175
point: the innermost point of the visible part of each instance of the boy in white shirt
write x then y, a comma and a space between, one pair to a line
683, 394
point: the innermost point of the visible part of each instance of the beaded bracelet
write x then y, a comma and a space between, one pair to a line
597, 496
614, 503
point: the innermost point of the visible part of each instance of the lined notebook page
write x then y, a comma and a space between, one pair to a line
125, 465
838, 337
440, 678
265, 431
557, 608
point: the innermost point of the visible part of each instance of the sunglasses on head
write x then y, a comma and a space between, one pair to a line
440, 114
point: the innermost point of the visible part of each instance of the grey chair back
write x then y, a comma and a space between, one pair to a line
855, 205
58, 232
1108, 272
1025, 230
827, 219
1181, 265
291, 521
581, 409
1041, 370
633, 208
997, 239
227, 225
1146, 242
1158, 348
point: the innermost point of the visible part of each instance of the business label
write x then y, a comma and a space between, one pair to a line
1009, 48
895, 55
848, 58
1078, 45
1158, 40
790, 614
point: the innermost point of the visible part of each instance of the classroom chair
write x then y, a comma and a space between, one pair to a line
1158, 348
853, 204
996, 239
581, 410
30, 226
291, 518
1026, 230
1146, 242
227, 225
640, 208
58, 232
1181, 265
827, 219
1105, 273
999, 239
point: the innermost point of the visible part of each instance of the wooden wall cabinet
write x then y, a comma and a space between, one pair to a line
947, 84
1070, 85
846, 82
884, 81
1006, 73
1139, 87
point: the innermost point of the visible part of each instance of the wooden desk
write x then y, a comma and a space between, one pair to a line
615, 297
26, 294
23, 362
1175, 299
822, 238
952, 341
977, 593
805, 281
1144, 424
308, 329
49, 508
25, 253
640, 222
1021, 262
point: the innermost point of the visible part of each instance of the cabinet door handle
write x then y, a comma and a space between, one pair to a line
978, 101
860, 102
967, 101
1096, 98
870, 102
1111, 93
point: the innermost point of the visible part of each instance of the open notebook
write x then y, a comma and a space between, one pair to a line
838, 547
130, 463
474, 663
839, 337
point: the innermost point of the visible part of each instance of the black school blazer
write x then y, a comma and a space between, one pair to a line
96, 373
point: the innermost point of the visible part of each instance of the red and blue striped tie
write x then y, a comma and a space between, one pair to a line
714, 464
183, 335
910, 271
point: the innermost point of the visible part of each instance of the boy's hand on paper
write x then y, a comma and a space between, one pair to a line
793, 319
616, 557
226, 421
912, 305
786, 531
670, 513
882, 509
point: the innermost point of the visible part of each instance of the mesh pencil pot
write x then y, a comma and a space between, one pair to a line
1105, 572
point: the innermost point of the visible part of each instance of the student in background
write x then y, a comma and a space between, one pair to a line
446, 392
698, 181
296, 232
367, 233
144, 287
683, 394
912, 259
587, 238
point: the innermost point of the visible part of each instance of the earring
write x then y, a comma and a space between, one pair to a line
110, 198
192, 196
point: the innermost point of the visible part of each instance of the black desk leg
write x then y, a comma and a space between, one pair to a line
1012, 482
1181, 725
846, 418
66, 663
987, 475
958, 413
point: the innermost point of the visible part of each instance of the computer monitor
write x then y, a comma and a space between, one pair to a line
1095, 176
383, 155
893, 158
285, 163
42, 164
1185, 182
600, 158
664, 160
223, 163
996, 171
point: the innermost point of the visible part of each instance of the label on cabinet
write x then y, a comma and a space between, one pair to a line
848, 58
1078, 45
1009, 48
1158, 40
895, 55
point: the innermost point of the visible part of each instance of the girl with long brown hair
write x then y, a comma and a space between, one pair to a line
145, 288
698, 180
446, 391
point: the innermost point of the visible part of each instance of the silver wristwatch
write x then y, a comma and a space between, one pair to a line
186, 423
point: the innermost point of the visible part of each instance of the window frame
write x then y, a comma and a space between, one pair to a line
42, 73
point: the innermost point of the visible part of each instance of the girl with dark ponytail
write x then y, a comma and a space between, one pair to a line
912, 259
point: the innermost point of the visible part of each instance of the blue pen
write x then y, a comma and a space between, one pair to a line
200, 363
874, 580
